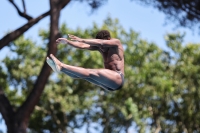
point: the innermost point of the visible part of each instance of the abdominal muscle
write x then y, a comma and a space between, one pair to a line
113, 65
112, 60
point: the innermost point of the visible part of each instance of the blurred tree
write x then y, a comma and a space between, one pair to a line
155, 95
185, 12
161, 91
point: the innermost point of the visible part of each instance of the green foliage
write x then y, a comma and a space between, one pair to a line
23, 65
161, 89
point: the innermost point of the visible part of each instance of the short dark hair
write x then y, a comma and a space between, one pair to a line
103, 34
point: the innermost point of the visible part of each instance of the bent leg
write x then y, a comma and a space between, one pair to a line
98, 84
70, 74
53, 66
104, 77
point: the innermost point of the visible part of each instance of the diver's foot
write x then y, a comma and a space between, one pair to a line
58, 64
51, 64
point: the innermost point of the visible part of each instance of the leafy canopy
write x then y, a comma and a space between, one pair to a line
161, 90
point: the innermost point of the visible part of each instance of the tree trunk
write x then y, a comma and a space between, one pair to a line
17, 121
16, 126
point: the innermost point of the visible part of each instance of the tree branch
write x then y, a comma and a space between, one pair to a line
5, 107
23, 3
22, 14
15, 34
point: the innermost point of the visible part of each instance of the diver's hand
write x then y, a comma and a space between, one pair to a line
75, 38
62, 40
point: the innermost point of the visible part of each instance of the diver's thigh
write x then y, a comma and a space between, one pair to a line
106, 77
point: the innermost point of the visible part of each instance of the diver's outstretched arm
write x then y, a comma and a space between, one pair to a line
76, 44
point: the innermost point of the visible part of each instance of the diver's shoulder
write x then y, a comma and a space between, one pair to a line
116, 40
